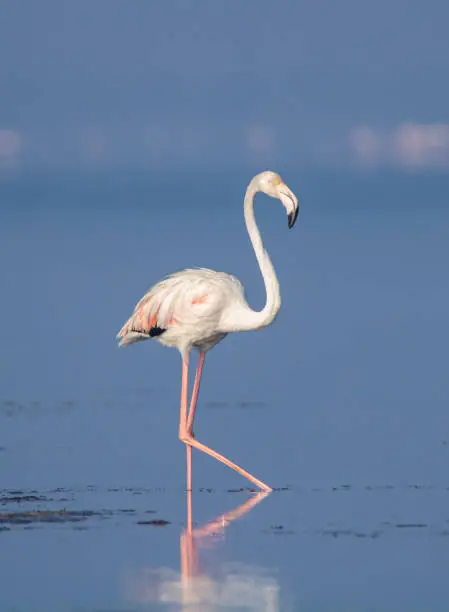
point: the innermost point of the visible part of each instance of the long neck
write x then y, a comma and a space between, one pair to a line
251, 319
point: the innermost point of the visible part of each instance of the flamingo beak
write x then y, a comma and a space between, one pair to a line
292, 217
290, 202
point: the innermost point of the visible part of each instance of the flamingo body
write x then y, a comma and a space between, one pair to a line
185, 310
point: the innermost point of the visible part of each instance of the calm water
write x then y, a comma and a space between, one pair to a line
342, 405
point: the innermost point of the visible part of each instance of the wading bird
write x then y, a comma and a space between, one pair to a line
196, 309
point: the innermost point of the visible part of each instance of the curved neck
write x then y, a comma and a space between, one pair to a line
254, 319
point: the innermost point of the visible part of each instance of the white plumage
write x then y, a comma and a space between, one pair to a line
189, 307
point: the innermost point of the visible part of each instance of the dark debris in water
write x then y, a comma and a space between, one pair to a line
24, 509
371, 534
337, 533
280, 530
20, 497
29, 509
46, 516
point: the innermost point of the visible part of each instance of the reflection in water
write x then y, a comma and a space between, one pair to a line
234, 586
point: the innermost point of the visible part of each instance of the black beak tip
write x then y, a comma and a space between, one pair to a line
292, 218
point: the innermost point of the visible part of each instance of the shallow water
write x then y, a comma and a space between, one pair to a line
341, 405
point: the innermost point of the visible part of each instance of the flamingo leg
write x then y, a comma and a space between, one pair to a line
186, 429
183, 417
186, 418
195, 392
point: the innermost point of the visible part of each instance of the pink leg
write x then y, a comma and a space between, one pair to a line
188, 419
189, 466
195, 392
186, 431
183, 417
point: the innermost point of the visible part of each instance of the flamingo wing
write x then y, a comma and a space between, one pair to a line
193, 297
142, 324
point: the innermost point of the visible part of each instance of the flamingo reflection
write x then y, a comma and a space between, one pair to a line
194, 589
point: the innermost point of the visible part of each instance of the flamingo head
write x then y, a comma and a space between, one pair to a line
271, 183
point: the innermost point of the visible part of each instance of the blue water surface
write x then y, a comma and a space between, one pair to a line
341, 405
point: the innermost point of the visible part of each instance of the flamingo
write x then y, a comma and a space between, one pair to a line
197, 308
